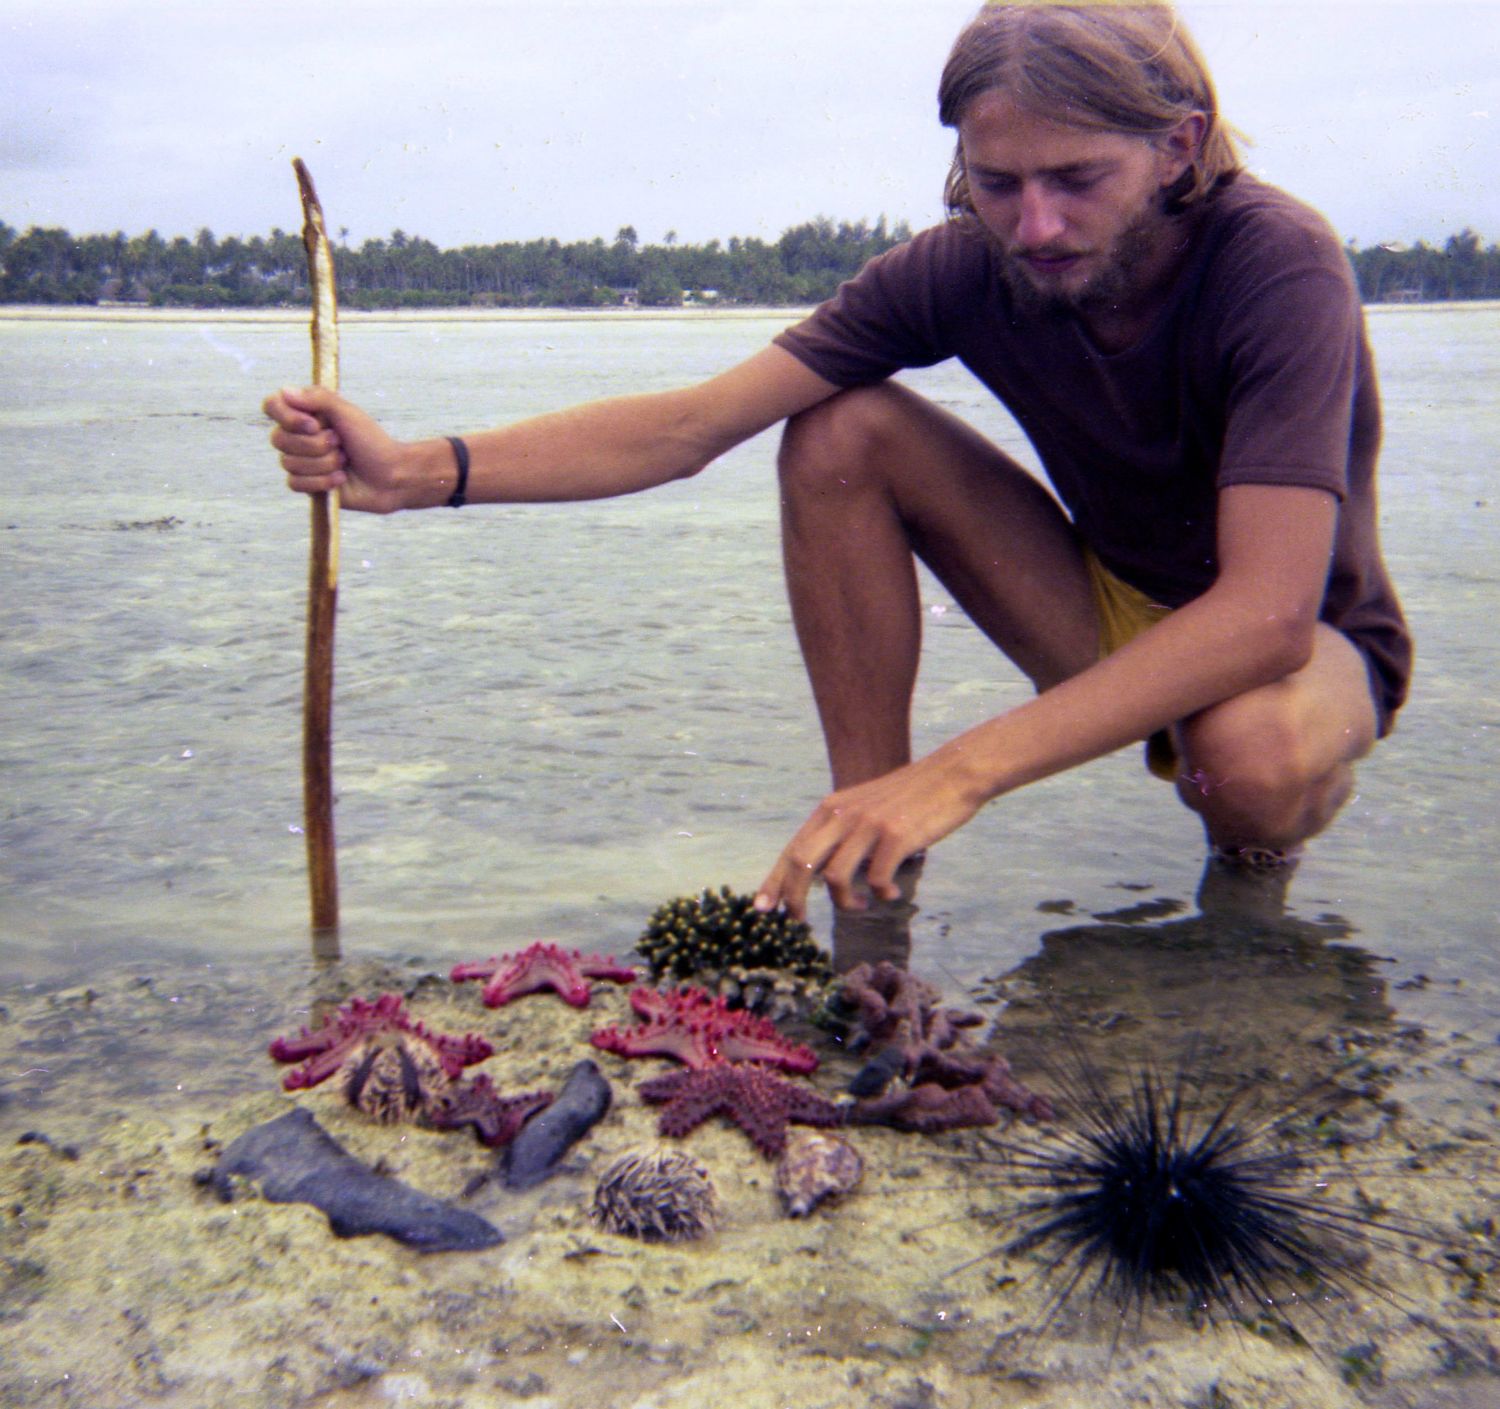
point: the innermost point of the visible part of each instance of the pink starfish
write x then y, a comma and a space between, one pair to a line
701, 1030
540, 966
324, 1049
759, 1101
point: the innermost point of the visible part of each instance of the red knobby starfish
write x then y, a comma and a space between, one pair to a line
540, 966
700, 1031
324, 1049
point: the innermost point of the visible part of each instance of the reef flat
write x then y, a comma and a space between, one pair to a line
123, 1280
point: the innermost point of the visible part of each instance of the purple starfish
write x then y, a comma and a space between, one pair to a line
756, 1099
943, 1098
496, 1119
540, 966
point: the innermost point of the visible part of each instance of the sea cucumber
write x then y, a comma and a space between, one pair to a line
292, 1159
548, 1136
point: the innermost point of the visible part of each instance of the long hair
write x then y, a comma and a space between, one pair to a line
1122, 66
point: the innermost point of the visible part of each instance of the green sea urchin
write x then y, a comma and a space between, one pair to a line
719, 932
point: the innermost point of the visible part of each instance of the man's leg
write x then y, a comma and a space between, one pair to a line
868, 480
1271, 768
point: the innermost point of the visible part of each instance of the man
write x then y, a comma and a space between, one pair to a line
1185, 348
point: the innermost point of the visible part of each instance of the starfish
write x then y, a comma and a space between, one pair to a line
701, 1030
359, 1028
758, 1101
540, 966
496, 1119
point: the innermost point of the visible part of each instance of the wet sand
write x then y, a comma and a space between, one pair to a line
123, 1281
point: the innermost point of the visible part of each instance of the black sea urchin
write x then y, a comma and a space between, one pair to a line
1141, 1198
1156, 1202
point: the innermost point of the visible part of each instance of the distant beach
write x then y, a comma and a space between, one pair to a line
129, 313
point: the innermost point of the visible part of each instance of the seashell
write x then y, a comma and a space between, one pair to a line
816, 1166
659, 1196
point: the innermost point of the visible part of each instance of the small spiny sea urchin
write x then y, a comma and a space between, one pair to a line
659, 1196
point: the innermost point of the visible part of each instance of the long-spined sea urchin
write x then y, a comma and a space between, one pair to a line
1224, 1207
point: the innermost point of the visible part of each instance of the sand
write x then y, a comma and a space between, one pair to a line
123, 1281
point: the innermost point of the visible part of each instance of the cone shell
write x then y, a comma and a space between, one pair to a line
816, 1166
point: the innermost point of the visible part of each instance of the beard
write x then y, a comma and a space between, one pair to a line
1116, 282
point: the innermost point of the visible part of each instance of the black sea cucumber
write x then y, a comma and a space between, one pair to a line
292, 1159
547, 1137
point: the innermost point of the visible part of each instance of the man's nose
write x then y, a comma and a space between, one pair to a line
1041, 219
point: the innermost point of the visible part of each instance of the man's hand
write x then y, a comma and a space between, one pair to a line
877, 824
326, 442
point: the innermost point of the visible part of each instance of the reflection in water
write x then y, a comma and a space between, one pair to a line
1212, 1074
881, 929
1256, 993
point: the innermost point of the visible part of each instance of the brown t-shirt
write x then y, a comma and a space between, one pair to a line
1257, 371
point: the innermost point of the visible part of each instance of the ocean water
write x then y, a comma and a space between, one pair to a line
548, 720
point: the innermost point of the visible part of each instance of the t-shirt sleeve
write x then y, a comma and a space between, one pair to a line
896, 312
1290, 358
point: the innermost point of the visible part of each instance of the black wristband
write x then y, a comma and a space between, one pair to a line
459, 497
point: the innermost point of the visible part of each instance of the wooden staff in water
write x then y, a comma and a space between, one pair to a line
322, 587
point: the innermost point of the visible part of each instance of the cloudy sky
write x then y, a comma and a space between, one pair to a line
516, 119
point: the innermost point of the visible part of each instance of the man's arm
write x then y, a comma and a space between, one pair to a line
593, 451
1255, 625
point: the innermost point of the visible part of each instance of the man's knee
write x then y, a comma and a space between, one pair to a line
1253, 773
836, 444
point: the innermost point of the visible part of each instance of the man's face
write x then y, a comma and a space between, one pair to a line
1078, 214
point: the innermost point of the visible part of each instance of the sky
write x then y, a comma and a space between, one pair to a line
472, 123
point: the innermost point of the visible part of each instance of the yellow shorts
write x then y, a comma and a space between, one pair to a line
1124, 612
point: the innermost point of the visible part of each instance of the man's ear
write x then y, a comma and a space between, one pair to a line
1180, 147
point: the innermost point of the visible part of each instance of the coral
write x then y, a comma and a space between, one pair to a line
947, 1081
720, 931
700, 1030
495, 1119
659, 1196
354, 1038
542, 966
758, 1101
952, 1099
815, 1167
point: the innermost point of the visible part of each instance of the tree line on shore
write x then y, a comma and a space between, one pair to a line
804, 266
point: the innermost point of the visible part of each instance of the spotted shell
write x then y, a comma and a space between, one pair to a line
660, 1196
816, 1166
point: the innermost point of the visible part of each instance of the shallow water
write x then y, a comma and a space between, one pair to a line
550, 719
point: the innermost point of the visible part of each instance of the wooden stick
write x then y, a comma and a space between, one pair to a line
322, 587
